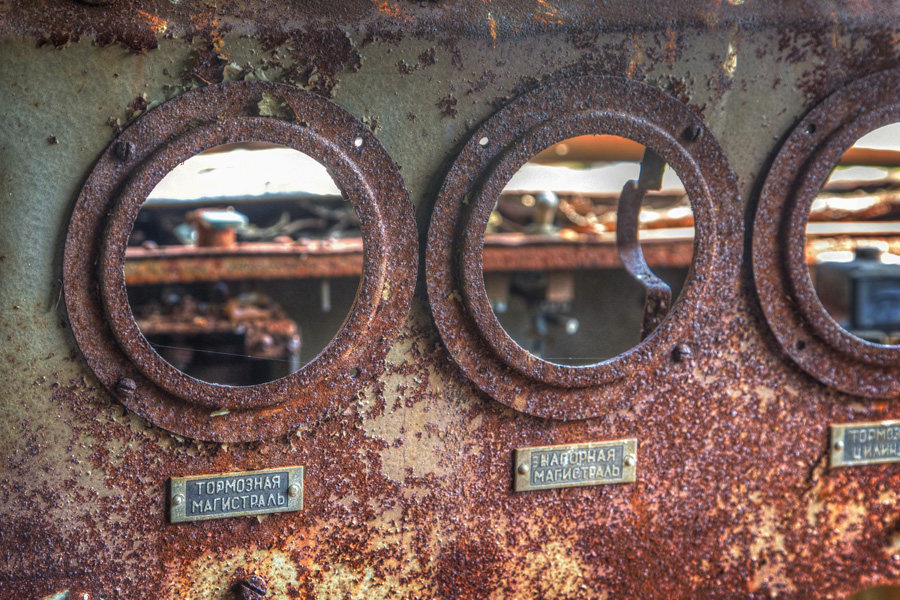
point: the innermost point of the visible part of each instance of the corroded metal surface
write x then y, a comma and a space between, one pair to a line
409, 480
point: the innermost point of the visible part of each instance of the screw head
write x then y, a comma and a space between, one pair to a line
523, 469
681, 352
630, 460
123, 150
692, 133
178, 500
293, 490
251, 588
126, 387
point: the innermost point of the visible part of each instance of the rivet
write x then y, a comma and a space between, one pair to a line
178, 500
358, 142
483, 141
630, 460
839, 445
293, 490
523, 469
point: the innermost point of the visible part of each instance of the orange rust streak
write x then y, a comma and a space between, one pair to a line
158, 25
632, 65
493, 25
670, 51
548, 13
385, 7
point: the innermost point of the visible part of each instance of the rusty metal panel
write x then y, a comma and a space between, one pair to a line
409, 468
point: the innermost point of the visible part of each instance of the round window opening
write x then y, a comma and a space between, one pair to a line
853, 239
586, 249
243, 263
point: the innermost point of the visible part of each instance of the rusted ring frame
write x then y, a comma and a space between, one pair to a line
558, 110
338, 355
483, 201
802, 326
154, 143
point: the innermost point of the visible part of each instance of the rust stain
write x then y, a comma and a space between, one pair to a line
157, 24
492, 28
389, 8
547, 13
670, 51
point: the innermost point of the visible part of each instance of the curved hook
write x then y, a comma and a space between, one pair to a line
657, 293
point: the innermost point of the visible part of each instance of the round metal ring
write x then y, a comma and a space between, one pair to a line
802, 326
104, 215
560, 109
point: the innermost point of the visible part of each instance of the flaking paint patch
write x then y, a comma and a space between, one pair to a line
343, 582
558, 571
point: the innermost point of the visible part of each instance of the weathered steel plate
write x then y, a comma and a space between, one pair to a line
575, 465
236, 494
855, 444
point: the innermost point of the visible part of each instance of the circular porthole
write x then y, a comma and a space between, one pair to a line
552, 272
219, 286
210, 269
824, 237
474, 275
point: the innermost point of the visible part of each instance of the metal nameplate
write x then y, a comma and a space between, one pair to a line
238, 494
573, 465
865, 443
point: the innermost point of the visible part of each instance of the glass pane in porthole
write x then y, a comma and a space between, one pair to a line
243, 263
853, 239
552, 269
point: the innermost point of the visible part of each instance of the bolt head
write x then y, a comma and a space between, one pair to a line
293, 490
178, 500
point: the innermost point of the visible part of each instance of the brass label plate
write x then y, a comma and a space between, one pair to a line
237, 494
855, 444
574, 465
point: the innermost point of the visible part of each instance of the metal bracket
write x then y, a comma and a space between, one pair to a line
657, 293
